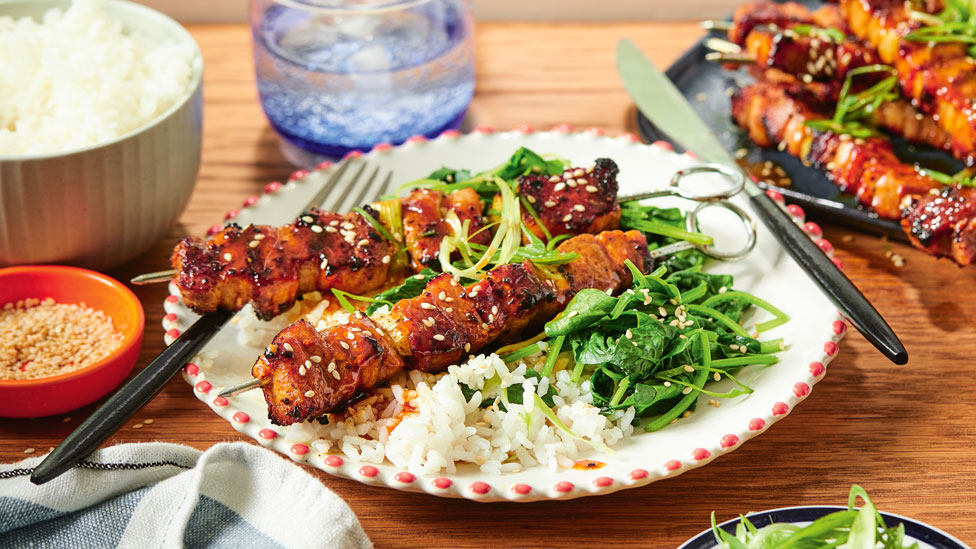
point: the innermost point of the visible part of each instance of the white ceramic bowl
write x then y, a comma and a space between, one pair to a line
101, 205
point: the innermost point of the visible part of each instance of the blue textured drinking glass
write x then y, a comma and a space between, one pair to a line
339, 75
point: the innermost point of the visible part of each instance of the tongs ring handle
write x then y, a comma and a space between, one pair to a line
748, 223
735, 176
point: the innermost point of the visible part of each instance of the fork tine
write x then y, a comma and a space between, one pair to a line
316, 201
356, 191
340, 191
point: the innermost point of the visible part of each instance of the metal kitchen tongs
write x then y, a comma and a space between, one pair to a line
718, 198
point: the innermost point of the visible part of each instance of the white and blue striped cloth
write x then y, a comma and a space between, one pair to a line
166, 495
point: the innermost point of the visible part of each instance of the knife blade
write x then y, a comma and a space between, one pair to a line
661, 102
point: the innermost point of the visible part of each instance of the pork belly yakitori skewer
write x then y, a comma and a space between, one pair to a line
750, 15
896, 116
308, 372
820, 60
940, 78
943, 222
271, 266
940, 220
774, 116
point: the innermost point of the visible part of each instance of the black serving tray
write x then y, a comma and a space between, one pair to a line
707, 86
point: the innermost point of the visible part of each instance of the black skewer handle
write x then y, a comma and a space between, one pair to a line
852, 303
128, 399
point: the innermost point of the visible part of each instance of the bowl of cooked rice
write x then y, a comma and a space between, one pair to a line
100, 129
68, 336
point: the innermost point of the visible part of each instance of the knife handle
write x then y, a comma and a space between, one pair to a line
831, 279
128, 399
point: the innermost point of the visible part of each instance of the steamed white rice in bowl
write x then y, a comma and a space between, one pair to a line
76, 78
426, 424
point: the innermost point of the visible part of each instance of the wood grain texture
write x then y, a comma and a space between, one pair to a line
905, 433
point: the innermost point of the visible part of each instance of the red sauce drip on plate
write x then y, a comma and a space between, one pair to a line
589, 465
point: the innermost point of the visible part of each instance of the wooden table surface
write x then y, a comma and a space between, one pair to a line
906, 433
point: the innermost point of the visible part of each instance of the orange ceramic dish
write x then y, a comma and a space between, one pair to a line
56, 394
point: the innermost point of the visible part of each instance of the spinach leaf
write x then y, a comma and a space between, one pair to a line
594, 348
449, 175
586, 308
640, 355
525, 162
514, 392
411, 287
650, 399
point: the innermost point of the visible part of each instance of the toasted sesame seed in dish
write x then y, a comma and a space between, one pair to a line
43, 338
52, 317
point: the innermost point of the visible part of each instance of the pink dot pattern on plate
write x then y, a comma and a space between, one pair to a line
241, 417
672, 465
757, 424
191, 369
521, 489
817, 369
839, 327
602, 482
404, 477
368, 471
479, 487
220, 401
729, 441
801, 389
830, 348
563, 487
638, 474
268, 434
203, 387
780, 408
299, 449
442, 483
700, 453
334, 461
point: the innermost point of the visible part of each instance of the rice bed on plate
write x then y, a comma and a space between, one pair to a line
429, 423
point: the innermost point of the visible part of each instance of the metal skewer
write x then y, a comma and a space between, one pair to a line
724, 46
716, 25
244, 387
153, 278
721, 57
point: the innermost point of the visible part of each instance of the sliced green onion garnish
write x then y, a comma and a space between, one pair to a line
780, 317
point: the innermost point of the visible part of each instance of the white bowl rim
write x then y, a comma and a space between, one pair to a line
148, 12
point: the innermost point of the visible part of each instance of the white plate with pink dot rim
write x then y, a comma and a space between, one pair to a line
811, 335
